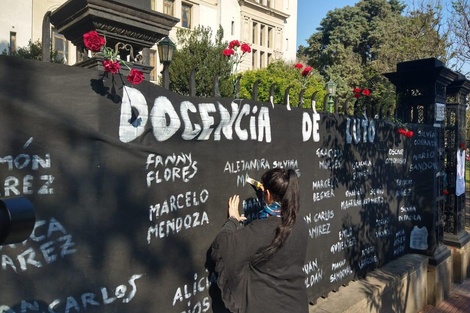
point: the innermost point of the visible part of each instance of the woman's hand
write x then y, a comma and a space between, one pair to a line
233, 203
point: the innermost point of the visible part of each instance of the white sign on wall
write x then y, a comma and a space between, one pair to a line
440, 112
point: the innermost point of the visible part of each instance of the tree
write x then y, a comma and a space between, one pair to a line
33, 51
198, 52
356, 44
460, 30
282, 75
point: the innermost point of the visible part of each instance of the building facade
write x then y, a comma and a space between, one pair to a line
268, 26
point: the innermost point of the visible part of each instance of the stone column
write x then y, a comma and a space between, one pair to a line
421, 90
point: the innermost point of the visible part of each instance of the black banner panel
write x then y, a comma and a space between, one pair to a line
130, 187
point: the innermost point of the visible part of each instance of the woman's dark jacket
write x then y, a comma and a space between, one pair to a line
276, 286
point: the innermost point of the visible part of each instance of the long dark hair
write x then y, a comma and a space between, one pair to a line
283, 185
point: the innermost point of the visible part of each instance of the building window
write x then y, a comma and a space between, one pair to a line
186, 15
270, 37
60, 46
12, 43
168, 7
153, 64
254, 59
268, 3
261, 36
254, 34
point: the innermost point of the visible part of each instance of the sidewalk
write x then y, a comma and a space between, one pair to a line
458, 301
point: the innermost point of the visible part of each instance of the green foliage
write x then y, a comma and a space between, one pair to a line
356, 45
459, 26
33, 51
198, 52
282, 76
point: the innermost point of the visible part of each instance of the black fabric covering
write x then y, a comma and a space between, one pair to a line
126, 226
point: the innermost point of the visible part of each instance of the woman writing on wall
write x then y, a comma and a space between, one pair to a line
259, 265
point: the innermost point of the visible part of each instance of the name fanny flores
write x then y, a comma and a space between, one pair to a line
194, 122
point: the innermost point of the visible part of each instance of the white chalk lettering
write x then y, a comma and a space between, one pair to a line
26, 161
310, 127
395, 161
346, 204
319, 230
423, 166
360, 130
317, 196
48, 242
330, 164
314, 274
173, 226
88, 300
424, 155
166, 121
342, 245
170, 168
339, 275
178, 202
322, 184
246, 165
395, 151
368, 261
188, 291
329, 153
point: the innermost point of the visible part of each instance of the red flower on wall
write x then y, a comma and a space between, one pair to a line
135, 76
228, 52
358, 92
405, 132
93, 41
235, 52
245, 48
111, 61
111, 66
233, 44
305, 72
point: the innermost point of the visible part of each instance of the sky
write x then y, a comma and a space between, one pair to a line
311, 12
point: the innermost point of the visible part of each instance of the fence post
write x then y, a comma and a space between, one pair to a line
455, 148
215, 86
192, 83
286, 97
271, 94
421, 89
254, 94
46, 37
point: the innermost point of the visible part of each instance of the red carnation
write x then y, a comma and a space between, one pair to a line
111, 66
228, 52
357, 92
298, 66
366, 92
93, 41
245, 48
234, 44
135, 76
306, 71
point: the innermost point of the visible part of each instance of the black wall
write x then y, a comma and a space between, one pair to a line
130, 187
